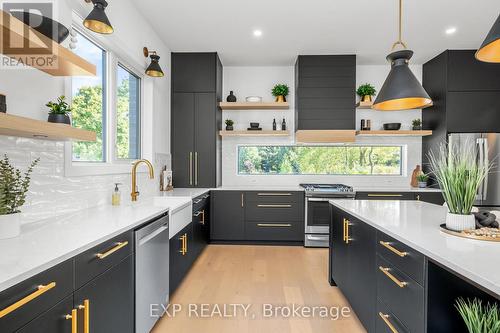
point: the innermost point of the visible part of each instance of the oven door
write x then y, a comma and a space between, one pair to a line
317, 215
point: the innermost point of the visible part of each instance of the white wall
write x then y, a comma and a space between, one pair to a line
248, 81
28, 90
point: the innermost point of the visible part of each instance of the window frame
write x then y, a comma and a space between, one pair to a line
111, 164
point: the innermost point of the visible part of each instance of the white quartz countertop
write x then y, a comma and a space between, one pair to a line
416, 224
49, 242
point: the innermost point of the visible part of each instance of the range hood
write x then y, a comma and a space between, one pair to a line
325, 136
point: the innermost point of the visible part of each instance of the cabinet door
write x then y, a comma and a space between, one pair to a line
111, 299
466, 73
227, 221
180, 260
205, 135
200, 227
183, 139
483, 119
194, 72
339, 260
54, 320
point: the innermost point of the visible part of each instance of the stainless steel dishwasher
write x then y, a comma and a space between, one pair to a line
151, 272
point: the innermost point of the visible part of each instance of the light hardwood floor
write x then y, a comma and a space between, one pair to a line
257, 275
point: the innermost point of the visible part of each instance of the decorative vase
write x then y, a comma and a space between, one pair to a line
415, 173
417, 128
422, 184
10, 226
280, 99
459, 222
366, 98
231, 98
59, 119
229, 127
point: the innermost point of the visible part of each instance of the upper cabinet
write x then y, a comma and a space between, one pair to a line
466, 73
195, 72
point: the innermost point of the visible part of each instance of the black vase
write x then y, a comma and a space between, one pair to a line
231, 98
229, 127
59, 119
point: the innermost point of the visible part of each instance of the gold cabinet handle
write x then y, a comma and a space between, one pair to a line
418, 197
272, 225
343, 231
42, 289
385, 318
242, 200
346, 231
183, 240
274, 194
195, 168
394, 279
384, 195
74, 320
274, 206
118, 246
388, 246
202, 217
190, 168
86, 315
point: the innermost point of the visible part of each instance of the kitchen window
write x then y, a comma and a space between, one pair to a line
320, 160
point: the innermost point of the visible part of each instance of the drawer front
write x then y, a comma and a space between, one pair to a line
274, 231
274, 197
384, 196
387, 322
406, 259
102, 257
28, 299
200, 201
403, 296
276, 212
54, 320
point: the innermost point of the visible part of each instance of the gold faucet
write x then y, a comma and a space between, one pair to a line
135, 193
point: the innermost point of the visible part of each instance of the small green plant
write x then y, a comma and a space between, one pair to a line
477, 317
422, 177
416, 122
229, 122
366, 90
13, 186
59, 107
280, 90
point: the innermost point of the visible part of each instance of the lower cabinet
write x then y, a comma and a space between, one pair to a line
425, 196
201, 224
55, 320
180, 256
228, 216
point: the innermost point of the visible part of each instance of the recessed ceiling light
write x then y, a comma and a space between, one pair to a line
451, 31
257, 33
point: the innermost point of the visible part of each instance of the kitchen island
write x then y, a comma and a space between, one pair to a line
399, 271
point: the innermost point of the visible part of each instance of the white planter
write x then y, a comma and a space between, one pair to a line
10, 226
458, 222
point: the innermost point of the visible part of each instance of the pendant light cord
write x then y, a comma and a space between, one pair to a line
400, 40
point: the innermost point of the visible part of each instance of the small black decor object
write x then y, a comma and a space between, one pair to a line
231, 98
486, 219
274, 124
254, 125
392, 126
283, 125
3, 105
229, 124
59, 111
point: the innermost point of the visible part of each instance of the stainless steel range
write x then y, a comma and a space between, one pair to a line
317, 211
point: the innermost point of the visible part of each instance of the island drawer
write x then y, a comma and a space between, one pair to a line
405, 258
274, 231
402, 295
275, 211
28, 299
200, 202
387, 322
375, 195
102, 257
275, 197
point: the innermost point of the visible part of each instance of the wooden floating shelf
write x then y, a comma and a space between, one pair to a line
66, 63
254, 106
11, 125
364, 105
254, 133
393, 133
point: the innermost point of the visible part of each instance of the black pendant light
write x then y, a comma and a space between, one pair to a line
490, 49
401, 89
97, 21
154, 68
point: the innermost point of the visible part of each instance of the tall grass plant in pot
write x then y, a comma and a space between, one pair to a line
14, 185
459, 175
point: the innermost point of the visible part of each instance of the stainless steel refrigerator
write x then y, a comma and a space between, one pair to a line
488, 151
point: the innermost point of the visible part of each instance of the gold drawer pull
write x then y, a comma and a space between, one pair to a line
346, 231
277, 225
41, 290
118, 246
394, 279
274, 194
202, 213
183, 240
385, 318
274, 206
86, 315
74, 320
388, 246
384, 195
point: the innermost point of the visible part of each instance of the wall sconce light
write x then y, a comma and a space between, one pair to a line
154, 68
97, 21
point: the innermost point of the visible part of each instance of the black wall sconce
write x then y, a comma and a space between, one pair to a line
154, 68
97, 21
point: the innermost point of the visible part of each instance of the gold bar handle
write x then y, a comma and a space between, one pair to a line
42, 289
183, 240
242, 200
418, 197
195, 168
394, 279
202, 217
274, 206
388, 246
385, 195
346, 231
118, 246
277, 225
86, 315
385, 318
190, 168
343, 231
74, 320
274, 194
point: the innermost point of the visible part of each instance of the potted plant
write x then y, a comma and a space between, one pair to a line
229, 124
422, 180
280, 91
13, 188
416, 124
459, 176
59, 111
477, 317
366, 91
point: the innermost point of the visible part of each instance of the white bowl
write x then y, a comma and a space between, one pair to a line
254, 99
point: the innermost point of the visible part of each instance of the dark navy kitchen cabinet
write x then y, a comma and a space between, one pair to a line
228, 214
181, 257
